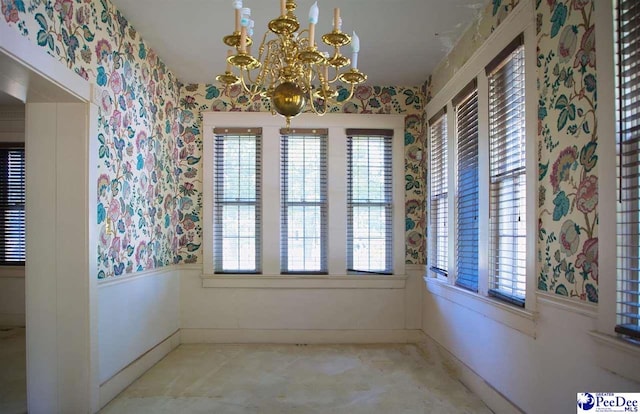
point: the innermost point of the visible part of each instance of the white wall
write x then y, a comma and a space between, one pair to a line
540, 374
134, 315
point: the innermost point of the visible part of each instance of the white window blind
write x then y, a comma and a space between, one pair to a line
507, 191
236, 203
369, 201
466, 104
628, 91
304, 201
12, 201
438, 196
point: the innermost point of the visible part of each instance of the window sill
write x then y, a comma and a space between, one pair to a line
303, 281
617, 355
519, 319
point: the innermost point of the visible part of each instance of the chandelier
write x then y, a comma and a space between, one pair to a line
289, 69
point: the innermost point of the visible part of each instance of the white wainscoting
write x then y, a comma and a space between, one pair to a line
295, 310
139, 319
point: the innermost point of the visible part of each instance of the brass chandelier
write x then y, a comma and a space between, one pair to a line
289, 69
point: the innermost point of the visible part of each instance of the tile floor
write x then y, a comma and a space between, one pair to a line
13, 367
266, 379
297, 379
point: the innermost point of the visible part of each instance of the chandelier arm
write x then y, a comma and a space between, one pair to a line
352, 89
335, 78
244, 86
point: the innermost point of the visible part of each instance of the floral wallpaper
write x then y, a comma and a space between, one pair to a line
138, 124
196, 99
567, 149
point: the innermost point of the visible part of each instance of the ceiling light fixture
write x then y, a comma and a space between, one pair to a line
289, 66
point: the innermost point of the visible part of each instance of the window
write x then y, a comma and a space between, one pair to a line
438, 196
507, 188
323, 200
236, 205
478, 196
466, 106
628, 94
12, 201
369, 201
304, 201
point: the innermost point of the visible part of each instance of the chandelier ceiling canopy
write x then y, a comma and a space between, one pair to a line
289, 69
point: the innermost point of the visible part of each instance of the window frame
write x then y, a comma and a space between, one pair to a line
439, 202
321, 203
337, 159
521, 21
19, 146
218, 206
387, 140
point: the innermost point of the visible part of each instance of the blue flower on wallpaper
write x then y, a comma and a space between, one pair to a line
562, 206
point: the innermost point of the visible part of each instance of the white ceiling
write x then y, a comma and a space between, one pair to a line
401, 40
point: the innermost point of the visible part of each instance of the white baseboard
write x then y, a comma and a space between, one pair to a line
497, 402
12, 319
298, 336
116, 384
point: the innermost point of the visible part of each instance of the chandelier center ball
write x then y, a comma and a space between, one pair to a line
288, 99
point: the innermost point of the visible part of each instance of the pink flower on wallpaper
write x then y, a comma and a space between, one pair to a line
567, 43
561, 170
150, 161
115, 82
106, 102
414, 239
363, 92
141, 140
188, 223
588, 259
587, 53
114, 209
116, 118
10, 11
64, 9
103, 49
116, 245
587, 196
188, 136
235, 90
141, 252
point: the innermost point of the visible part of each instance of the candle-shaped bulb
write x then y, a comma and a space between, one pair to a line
313, 20
337, 21
314, 12
250, 28
355, 47
355, 43
237, 4
246, 14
